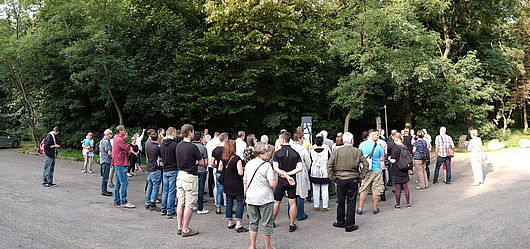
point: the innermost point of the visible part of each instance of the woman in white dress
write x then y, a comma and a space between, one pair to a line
475, 148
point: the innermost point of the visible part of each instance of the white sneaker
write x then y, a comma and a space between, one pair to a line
129, 175
128, 205
204, 211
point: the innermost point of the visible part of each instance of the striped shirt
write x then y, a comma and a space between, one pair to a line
443, 142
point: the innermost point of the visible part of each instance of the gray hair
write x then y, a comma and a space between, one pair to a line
240, 134
107, 132
264, 138
473, 133
260, 148
324, 134
347, 138
443, 130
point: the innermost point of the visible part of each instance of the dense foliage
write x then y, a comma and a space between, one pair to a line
260, 65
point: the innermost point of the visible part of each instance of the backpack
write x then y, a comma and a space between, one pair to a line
42, 148
97, 148
405, 159
425, 154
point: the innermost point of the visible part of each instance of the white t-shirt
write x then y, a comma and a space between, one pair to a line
240, 147
259, 191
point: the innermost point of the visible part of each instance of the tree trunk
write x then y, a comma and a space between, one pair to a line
525, 118
109, 83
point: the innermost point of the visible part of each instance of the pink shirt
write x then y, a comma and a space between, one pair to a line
119, 152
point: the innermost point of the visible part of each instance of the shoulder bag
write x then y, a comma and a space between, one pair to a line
221, 178
248, 185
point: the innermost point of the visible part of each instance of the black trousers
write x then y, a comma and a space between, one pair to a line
211, 181
347, 194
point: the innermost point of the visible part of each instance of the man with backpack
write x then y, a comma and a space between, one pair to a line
49, 147
372, 179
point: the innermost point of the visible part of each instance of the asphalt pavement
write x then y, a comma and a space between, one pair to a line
74, 214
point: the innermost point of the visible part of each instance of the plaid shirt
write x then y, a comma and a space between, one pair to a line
443, 141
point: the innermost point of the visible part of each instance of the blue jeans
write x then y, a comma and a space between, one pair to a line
202, 181
169, 191
105, 169
439, 161
120, 188
153, 182
139, 161
300, 214
240, 206
219, 199
49, 167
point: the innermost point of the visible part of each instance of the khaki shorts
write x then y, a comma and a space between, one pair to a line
261, 216
372, 183
187, 189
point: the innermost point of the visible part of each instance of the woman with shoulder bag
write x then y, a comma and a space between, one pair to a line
259, 181
400, 176
232, 167
421, 156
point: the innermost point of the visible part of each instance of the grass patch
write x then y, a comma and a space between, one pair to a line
26, 147
73, 154
513, 141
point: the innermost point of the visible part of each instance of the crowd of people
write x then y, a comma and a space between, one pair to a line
182, 164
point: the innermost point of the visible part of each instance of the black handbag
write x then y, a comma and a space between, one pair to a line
221, 178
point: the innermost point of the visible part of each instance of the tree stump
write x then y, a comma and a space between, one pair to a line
462, 142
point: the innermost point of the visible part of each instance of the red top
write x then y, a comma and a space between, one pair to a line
119, 152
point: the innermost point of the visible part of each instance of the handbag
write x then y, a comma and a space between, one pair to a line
221, 178
484, 155
369, 159
449, 151
425, 155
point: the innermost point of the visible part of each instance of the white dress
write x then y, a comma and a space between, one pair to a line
475, 154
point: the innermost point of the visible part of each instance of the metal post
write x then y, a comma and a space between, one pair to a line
386, 125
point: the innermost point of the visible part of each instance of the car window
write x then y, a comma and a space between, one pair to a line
3, 134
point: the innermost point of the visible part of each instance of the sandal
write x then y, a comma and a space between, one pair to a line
241, 230
232, 226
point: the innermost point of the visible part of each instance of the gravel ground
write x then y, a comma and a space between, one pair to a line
74, 215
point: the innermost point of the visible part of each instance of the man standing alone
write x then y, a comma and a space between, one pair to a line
343, 168
50, 145
120, 151
105, 159
444, 143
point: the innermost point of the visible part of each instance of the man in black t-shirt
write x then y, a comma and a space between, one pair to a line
287, 163
188, 158
217, 155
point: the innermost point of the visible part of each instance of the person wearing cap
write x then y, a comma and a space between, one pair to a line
50, 149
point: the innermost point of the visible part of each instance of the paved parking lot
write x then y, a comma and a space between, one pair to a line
75, 215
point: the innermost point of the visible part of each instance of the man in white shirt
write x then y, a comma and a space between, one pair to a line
240, 144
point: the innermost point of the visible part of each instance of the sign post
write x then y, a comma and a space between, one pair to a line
307, 125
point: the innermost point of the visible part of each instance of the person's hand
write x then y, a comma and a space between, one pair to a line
291, 181
55, 146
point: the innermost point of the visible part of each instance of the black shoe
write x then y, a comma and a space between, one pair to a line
46, 185
241, 230
383, 198
153, 207
172, 216
111, 185
389, 184
147, 207
204, 201
355, 227
305, 217
434, 182
52, 184
106, 193
446, 182
273, 225
163, 212
339, 225
292, 228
